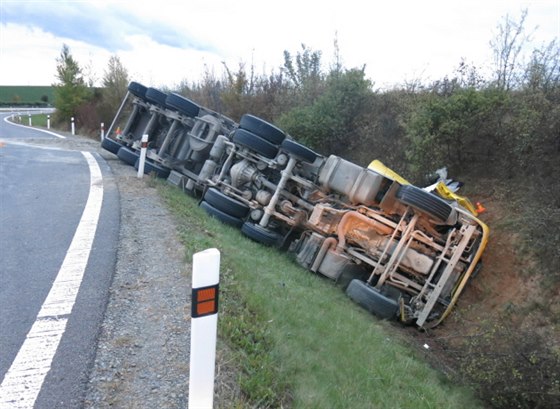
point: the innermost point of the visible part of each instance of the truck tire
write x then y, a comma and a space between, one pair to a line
111, 145
137, 89
156, 97
152, 167
299, 151
128, 155
221, 216
426, 202
260, 127
261, 234
372, 300
249, 140
225, 203
182, 105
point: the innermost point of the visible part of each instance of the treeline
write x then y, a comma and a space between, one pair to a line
476, 126
472, 125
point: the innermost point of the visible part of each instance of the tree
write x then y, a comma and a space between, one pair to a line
306, 74
115, 86
507, 47
237, 87
71, 91
543, 70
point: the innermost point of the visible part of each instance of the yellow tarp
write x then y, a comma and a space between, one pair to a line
444, 192
378, 167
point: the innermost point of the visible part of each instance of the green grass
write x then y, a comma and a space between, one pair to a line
36, 119
23, 94
298, 340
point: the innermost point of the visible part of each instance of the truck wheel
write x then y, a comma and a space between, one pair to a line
298, 150
261, 234
128, 155
137, 89
151, 167
221, 216
260, 127
225, 203
424, 201
182, 105
372, 300
111, 145
156, 97
250, 140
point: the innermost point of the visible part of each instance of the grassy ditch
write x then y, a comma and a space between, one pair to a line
298, 340
36, 119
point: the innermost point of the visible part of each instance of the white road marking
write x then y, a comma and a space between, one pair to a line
36, 129
24, 379
21, 142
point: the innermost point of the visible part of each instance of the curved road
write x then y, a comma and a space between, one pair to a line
59, 222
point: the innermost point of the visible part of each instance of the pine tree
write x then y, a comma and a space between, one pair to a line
71, 90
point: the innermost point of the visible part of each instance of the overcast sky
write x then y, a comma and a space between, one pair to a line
162, 42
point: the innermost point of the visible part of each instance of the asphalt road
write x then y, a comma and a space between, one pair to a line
43, 199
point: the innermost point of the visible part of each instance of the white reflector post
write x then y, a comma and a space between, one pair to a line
204, 327
142, 160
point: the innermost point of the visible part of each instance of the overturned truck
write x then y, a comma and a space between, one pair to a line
398, 250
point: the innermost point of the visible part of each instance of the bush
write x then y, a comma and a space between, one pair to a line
460, 131
512, 368
332, 123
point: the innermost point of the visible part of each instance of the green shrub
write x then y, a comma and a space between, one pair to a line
332, 123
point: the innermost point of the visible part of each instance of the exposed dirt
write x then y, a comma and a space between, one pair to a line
508, 284
504, 332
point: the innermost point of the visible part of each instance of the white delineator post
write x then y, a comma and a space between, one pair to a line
30, 124
73, 127
204, 328
102, 136
48, 122
142, 160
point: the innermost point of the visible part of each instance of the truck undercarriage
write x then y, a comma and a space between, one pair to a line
399, 251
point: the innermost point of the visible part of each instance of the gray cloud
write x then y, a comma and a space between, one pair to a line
106, 28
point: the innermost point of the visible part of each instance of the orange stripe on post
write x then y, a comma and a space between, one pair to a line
206, 308
207, 294
204, 301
